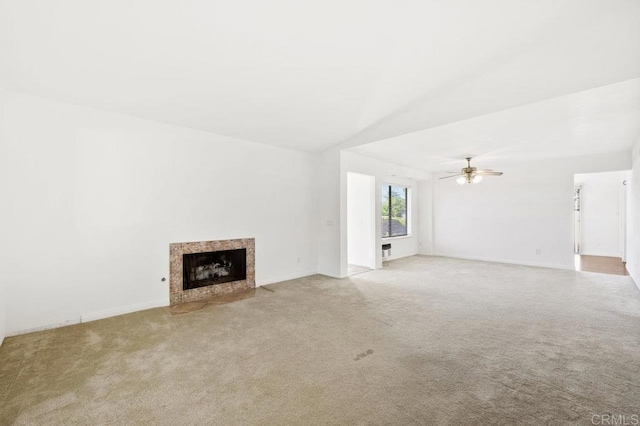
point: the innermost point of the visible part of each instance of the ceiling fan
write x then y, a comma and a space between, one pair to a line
471, 174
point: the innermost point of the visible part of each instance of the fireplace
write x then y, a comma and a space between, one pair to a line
214, 267
204, 269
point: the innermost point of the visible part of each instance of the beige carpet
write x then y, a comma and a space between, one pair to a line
424, 341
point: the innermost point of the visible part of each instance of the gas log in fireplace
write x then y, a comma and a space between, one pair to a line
214, 267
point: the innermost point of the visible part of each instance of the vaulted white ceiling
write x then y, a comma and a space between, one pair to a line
596, 121
312, 75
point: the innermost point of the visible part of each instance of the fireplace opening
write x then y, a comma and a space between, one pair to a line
215, 267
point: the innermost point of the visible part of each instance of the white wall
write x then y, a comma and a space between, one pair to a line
361, 221
425, 216
3, 184
510, 218
633, 216
3, 311
600, 212
95, 199
384, 173
330, 226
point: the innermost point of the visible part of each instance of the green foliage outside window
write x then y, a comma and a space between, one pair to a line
394, 200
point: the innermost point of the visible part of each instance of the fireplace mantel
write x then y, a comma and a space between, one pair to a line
176, 251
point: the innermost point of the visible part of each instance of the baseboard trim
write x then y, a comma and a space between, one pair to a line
43, 327
599, 254
508, 261
285, 277
94, 316
107, 313
636, 280
128, 309
390, 258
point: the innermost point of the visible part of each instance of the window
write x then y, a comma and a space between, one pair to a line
394, 211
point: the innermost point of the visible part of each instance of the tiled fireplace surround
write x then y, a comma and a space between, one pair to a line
178, 295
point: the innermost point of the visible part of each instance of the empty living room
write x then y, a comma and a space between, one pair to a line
320, 212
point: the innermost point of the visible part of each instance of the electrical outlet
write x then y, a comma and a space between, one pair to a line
538, 251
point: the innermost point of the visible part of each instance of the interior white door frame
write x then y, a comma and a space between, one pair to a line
623, 220
366, 217
577, 219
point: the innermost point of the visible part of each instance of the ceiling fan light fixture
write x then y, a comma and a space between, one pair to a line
471, 174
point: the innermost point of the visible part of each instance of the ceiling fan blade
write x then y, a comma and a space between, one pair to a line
452, 176
488, 173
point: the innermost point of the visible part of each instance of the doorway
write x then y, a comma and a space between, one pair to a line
599, 210
361, 224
